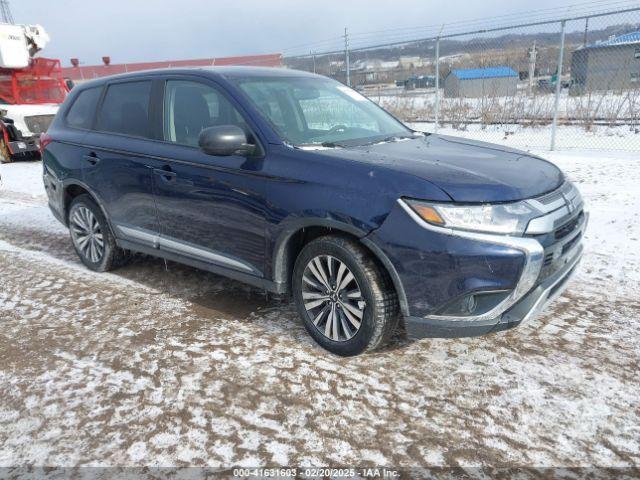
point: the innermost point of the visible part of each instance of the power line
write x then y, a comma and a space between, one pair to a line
332, 40
611, 4
461, 26
404, 33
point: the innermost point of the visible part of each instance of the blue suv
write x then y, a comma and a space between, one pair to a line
299, 185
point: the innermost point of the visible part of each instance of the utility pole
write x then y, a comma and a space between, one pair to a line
533, 53
6, 12
313, 55
586, 31
346, 56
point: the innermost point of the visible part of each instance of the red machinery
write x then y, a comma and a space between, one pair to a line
31, 90
31, 96
40, 82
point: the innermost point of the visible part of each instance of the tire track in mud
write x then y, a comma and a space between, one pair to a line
149, 366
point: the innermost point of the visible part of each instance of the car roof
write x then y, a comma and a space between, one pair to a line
226, 72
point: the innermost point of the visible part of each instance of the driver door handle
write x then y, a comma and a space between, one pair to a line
166, 175
92, 158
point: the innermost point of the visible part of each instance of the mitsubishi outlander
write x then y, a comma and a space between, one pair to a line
299, 185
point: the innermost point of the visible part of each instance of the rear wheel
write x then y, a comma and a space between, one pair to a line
5, 155
343, 297
91, 236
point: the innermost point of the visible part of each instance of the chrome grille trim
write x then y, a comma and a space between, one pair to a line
558, 207
550, 197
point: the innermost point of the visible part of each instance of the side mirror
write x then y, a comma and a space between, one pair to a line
224, 140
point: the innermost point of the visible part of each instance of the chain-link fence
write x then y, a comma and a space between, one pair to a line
568, 83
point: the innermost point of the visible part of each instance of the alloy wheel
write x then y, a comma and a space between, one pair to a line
332, 298
87, 234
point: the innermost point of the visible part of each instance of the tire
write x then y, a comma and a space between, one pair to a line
91, 236
5, 156
368, 297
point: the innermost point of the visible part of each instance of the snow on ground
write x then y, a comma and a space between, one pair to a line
166, 365
23, 178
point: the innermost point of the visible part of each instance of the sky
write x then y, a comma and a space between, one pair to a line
138, 30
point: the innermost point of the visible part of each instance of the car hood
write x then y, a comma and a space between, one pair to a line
466, 170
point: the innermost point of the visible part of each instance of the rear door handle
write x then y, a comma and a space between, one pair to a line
92, 158
167, 175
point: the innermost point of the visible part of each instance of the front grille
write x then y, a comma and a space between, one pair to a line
559, 244
38, 124
568, 227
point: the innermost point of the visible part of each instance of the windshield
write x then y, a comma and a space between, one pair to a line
309, 111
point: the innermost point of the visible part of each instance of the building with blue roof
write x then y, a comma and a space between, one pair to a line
612, 64
626, 39
499, 81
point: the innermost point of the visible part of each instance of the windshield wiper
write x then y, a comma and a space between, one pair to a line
322, 144
395, 138
390, 138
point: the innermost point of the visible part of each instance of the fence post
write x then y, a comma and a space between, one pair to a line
346, 56
556, 103
437, 100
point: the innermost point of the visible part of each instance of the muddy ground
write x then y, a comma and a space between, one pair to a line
161, 364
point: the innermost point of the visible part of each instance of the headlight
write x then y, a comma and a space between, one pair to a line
506, 218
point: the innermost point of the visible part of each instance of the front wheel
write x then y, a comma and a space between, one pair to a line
343, 297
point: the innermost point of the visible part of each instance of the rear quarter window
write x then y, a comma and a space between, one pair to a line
125, 109
80, 115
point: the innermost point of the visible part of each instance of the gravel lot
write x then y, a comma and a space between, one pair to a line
160, 364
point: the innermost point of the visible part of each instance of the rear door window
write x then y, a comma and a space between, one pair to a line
81, 113
125, 109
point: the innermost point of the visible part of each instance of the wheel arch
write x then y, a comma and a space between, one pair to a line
74, 189
293, 239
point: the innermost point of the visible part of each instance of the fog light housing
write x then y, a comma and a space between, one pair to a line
476, 303
469, 304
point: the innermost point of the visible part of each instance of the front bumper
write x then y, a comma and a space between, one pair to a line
437, 269
527, 308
